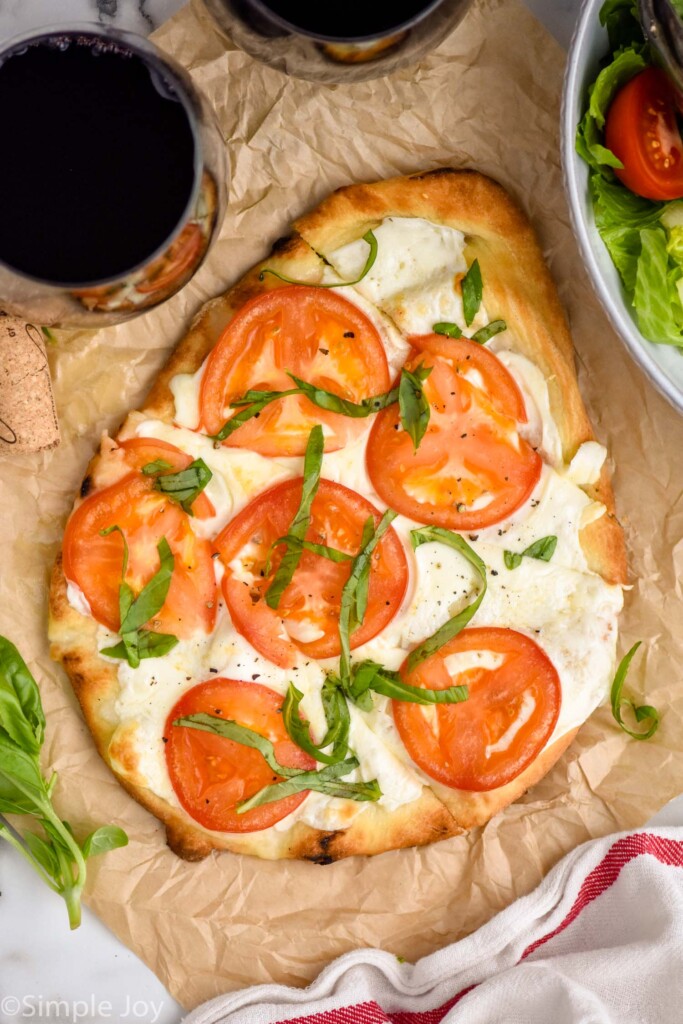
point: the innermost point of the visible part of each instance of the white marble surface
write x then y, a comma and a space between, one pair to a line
88, 977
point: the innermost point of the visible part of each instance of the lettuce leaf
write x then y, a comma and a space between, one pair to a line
589, 145
656, 299
620, 18
619, 217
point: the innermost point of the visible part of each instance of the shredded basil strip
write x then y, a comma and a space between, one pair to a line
333, 554
643, 712
138, 643
472, 290
296, 780
313, 461
368, 237
158, 466
449, 329
354, 594
368, 676
542, 549
412, 404
458, 622
485, 334
185, 486
298, 728
249, 408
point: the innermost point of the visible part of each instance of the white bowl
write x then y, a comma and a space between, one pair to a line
662, 364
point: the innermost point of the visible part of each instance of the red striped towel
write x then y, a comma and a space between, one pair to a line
600, 940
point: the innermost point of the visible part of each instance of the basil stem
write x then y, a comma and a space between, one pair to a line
354, 593
368, 237
472, 290
485, 334
458, 622
298, 728
185, 486
542, 549
313, 461
57, 857
643, 712
447, 328
138, 643
296, 780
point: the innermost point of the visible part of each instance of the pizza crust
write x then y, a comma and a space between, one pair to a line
519, 289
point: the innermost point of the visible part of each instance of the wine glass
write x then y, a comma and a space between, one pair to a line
113, 184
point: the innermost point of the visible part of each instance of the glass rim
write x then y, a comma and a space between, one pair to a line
149, 54
267, 12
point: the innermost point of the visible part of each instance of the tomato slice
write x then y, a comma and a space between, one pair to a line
140, 451
94, 562
312, 332
642, 131
307, 618
487, 740
211, 774
472, 468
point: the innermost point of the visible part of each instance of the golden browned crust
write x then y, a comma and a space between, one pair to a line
519, 289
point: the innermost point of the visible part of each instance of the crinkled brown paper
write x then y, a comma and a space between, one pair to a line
488, 98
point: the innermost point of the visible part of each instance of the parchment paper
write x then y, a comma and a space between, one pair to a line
489, 99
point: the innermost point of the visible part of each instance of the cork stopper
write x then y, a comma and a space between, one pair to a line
28, 419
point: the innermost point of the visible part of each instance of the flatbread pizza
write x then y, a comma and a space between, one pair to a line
349, 579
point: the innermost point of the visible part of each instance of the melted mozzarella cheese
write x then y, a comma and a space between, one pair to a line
570, 612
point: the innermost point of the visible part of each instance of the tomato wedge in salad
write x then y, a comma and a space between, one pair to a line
642, 130
487, 740
307, 616
472, 468
94, 563
314, 333
211, 774
138, 452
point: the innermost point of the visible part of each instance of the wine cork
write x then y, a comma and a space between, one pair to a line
28, 419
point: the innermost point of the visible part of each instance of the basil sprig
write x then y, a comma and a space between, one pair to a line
313, 461
457, 623
481, 336
368, 237
643, 712
138, 643
56, 855
472, 290
337, 718
185, 486
411, 406
295, 780
542, 549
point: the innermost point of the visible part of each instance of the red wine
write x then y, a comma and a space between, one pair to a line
347, 21
99, 159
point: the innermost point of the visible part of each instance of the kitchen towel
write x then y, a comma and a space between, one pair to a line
600, 940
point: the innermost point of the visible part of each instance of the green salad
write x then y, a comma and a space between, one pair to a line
630, 138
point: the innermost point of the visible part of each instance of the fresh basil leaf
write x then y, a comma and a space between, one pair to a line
348, 597
324, 781
337, 717
298, 729
158, 466
102, 840
472, 291
23, 783
146, 644
186, 485
449, 329
413, 406
368, 676
360, 594
642, 712
151, 598
368, 237
251, 408
458, 622
21, 713
238, 734
313, 461
542, 549
485, 334
43, 853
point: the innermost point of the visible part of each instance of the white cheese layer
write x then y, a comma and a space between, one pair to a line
568, 611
